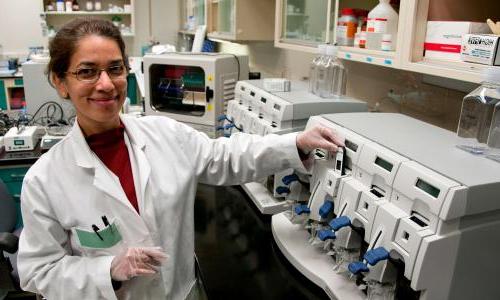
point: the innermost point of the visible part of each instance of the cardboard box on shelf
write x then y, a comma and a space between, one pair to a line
481, 48
444, 39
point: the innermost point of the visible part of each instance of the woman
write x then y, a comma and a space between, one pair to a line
105, 206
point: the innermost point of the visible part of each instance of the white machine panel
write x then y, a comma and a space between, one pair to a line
430, 212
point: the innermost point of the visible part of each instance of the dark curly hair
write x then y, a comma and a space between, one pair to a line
64, 44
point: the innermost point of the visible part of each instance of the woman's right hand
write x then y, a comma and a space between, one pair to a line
137, 261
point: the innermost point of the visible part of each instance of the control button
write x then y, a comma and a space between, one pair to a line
325, 209
340, 222
357, 267
326, 234
375, 255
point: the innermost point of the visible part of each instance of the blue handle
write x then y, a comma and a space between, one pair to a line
219, 128
229, 126
326, 234
290, 178
357, 267
282, 190
326, 209
301, 209
375, 255
221, 118
340, 222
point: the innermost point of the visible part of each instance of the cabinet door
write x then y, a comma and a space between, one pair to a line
225, 18
304, 21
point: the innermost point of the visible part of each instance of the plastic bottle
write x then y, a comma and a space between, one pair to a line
97, 5
69, 6
479, 118
60, 5
332, 75
346, 27
386, 44
313, 69
383, 19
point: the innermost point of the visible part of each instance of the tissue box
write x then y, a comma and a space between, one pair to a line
481, 49
444, 39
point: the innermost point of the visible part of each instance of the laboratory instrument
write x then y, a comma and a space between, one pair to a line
413, 218
255, 110
38, 91
193, 88
22, 138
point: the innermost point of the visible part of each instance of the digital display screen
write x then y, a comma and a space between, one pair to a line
350, 145
384, 164
277, 106
263, 100
18, 142
428, 188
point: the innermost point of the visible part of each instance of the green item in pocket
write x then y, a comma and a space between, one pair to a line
110, 237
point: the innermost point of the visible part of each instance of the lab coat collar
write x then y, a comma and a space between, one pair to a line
83, 154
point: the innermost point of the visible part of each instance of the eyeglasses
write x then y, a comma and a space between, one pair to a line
92, 75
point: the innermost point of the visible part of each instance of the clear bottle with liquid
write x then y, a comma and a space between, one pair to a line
331, 75
313, 69
479, 118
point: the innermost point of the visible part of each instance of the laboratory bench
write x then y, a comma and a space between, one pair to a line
13, 167
236, 251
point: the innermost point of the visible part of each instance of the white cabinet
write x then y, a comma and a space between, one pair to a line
121, 12
241, 20
292, 31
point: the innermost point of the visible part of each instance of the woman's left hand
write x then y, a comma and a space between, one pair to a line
319, 137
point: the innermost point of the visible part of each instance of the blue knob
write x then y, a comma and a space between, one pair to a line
375, 255
301, 209
290, 178
357, 267
326, 209
282, 190
326, 234
340, 222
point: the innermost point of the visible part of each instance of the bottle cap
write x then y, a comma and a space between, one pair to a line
347, 12
322, 49
492, 75
331, 50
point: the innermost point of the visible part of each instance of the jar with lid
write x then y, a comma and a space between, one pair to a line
346, 27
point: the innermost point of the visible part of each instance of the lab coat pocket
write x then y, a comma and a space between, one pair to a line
106, 241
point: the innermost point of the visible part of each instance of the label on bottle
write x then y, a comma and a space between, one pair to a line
377, 25
346, 30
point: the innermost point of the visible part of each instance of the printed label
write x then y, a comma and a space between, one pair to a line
377, 25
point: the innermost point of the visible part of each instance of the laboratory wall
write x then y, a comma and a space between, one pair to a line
20, 26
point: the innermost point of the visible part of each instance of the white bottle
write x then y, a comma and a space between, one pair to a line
97, 5
386, 44
60, 5
383, 19
69, 6
313, 69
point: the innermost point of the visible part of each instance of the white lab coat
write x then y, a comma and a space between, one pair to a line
69, 188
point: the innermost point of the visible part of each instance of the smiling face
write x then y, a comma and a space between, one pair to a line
97, 104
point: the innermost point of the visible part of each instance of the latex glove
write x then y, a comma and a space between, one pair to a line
319, 137
138, 261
